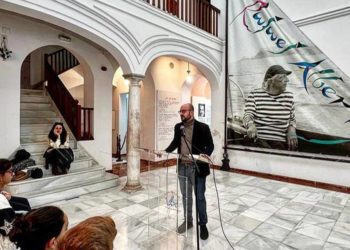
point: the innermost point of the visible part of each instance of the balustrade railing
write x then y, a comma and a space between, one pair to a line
79, 119
85, 118
61, 61
200, 13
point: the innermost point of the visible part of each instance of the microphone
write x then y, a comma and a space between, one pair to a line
182, 130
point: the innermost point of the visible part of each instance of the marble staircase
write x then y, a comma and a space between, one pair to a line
37, 116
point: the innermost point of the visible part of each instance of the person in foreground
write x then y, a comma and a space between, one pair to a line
19, 204
7, 216
269, 112
95, 233
192, 137
39, 229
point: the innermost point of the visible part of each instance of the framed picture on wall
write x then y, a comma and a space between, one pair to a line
201, 110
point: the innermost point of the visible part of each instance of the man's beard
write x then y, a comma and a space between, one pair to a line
184, 118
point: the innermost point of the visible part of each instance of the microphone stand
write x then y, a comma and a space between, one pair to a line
196, 171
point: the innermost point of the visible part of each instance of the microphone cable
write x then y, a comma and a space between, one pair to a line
214, 179
217, 196
217, 193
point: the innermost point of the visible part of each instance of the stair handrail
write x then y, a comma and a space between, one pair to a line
61, 61
64, 101
86, 116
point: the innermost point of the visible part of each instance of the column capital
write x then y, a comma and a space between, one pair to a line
134, 77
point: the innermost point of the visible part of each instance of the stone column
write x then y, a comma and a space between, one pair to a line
134, 126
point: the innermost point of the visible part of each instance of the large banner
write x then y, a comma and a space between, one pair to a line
261, 35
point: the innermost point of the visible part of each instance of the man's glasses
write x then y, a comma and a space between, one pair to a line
183, 111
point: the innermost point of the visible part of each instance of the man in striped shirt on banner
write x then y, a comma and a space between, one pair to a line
269, 112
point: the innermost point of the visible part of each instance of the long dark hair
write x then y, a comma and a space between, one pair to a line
4, 166
37, 227
52, 136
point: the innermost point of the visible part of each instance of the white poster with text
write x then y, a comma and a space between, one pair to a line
168, 105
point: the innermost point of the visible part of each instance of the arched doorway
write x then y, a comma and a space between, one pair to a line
119, 114
168, 83
56, 71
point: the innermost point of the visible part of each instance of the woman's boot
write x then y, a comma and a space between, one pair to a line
55, 170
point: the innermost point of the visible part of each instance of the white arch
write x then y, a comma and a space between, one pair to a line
118, 46
194, 54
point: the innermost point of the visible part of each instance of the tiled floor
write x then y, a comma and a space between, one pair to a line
256, 214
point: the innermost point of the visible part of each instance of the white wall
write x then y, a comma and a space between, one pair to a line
336, 173
78, 94
148, 109
22, 40
73, 79
298, 9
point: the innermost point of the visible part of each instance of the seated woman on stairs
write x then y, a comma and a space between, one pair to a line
19, 204
59, 155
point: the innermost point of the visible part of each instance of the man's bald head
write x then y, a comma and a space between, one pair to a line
187, 106
187, 112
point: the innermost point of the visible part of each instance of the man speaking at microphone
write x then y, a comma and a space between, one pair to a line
192, 137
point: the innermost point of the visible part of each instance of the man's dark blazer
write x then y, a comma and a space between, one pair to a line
202, 143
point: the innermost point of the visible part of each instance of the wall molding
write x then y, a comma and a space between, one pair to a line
323, 16
121, 170
298, 181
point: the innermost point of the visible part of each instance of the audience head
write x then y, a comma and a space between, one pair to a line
6, 172
95, 233
58, 130
39, 229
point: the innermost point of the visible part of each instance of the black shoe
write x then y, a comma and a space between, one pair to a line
204, 232
182, 228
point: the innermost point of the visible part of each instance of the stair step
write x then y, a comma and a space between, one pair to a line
40, 147
40, 120
35, 128
77, 165
35, 147
34, 99
36, 106
32, 92
54, 182
85, 176
32, 138
72, 191
37, 114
